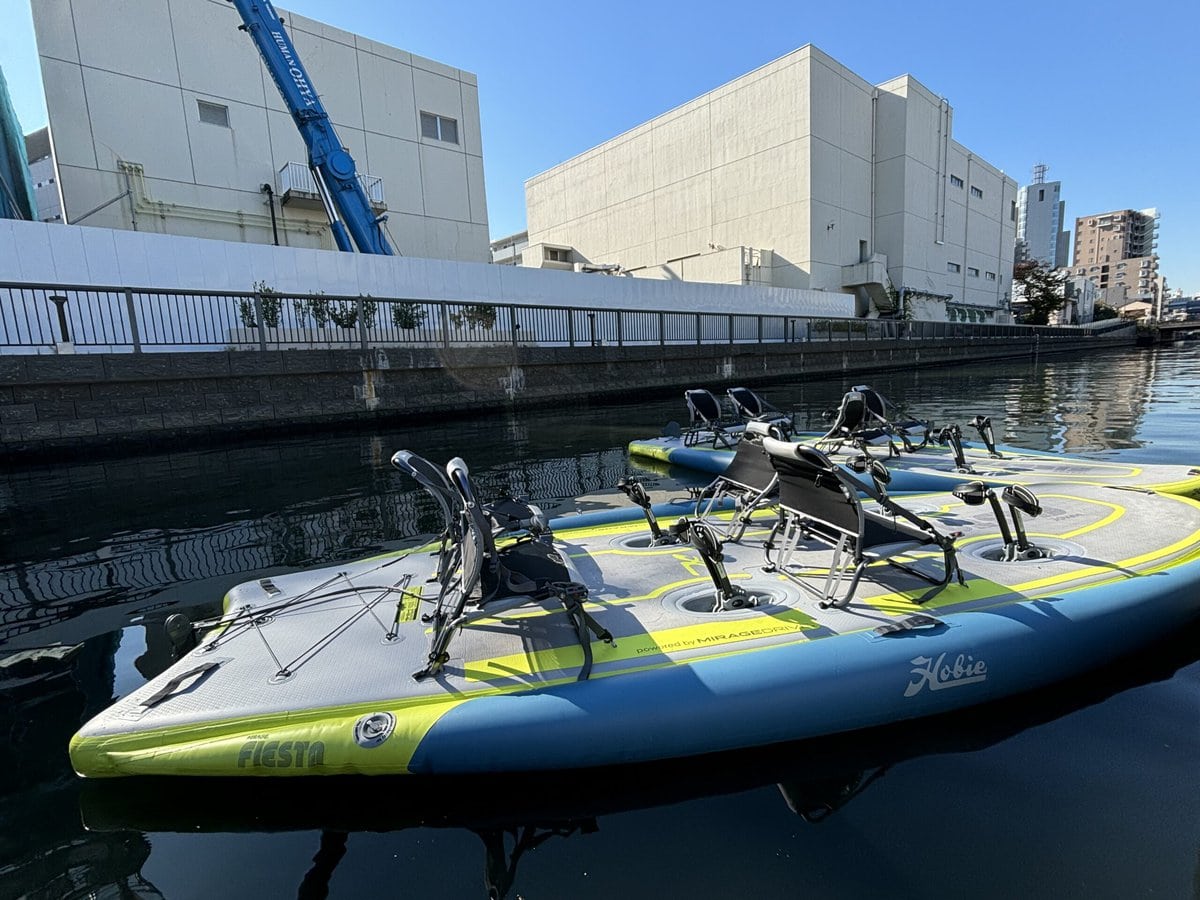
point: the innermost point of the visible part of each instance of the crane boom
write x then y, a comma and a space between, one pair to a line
346, 203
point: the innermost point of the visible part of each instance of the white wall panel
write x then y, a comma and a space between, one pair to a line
66, 104
387, 97
130, 93
226, 266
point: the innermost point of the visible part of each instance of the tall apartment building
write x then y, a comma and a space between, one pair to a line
1115, 250
1041, 214
800, 174
164, 119
42, 177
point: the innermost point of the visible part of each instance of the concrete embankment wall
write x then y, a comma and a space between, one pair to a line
60, 406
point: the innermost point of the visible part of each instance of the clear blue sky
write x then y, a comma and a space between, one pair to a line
1105, 93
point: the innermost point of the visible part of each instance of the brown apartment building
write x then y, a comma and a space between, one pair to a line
1115, 250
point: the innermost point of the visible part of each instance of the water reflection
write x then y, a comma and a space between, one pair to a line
511, 816
94, 556
1088, 403
200, 522
89, 585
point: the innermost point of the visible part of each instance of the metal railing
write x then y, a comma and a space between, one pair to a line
296, 176
44, 318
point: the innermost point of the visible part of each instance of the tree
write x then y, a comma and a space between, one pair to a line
1103, 312
1042, 288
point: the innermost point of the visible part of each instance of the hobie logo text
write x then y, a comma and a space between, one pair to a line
938, 674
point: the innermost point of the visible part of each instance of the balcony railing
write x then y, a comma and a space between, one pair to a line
295, 182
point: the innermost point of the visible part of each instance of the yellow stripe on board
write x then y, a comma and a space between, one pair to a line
652, 451
721, 634
901, 603
216, 748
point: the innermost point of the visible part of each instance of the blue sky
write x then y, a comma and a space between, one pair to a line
1105, 93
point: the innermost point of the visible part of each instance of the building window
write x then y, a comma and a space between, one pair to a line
1012, 210
213, 113
976, 192
990, 276
956, 181
953, 267
1041, 194
439, 128
972, 271
555, 254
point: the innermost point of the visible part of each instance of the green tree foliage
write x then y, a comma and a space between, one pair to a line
268, 300
1043, 290
1103, 312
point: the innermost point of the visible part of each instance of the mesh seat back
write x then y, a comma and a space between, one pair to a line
810, 487
750, 467
851, 414
704, 407
874, 406
748, 404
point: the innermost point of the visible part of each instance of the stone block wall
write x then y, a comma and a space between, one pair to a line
70, 404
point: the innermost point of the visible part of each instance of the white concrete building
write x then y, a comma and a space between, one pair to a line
507, 251
799, 174
164, 119
1080, 306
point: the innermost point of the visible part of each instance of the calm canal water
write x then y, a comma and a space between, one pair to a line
1088, 790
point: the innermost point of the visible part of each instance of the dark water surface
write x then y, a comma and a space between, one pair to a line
1091, 789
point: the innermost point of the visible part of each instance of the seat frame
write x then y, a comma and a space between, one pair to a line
473, 579
706, 422
863, 418
752, 407
820, 501
750, 483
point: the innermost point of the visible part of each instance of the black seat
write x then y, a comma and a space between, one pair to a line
864, 420
707, 423
438, 486
523, 567
849, 424
889, 418
492, 559
821, 502
752, 407
750, 483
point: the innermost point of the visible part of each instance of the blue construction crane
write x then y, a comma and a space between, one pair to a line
333, 169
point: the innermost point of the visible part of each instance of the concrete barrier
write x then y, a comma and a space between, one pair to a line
64, 405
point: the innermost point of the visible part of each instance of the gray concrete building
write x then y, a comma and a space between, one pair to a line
164, 119
1041, 215
800, 174
42, 176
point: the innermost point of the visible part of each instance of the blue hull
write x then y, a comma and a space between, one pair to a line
933, 469
800, 691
